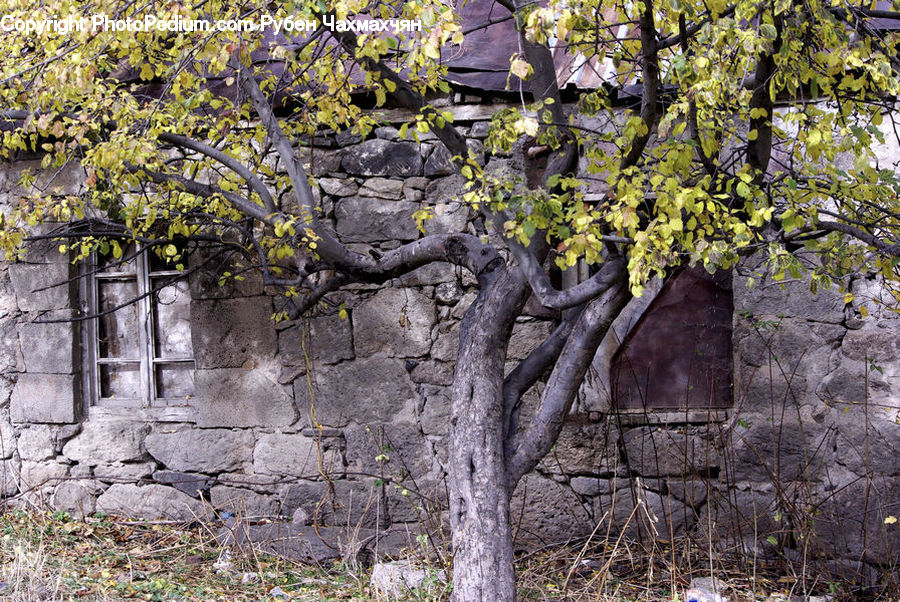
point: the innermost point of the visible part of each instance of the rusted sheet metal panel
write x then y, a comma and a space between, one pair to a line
679, 353
482, 62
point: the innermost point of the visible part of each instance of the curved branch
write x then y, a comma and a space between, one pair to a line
686, 33
307, 302
328, 246
459, 249
866, 237
245, 206
535, 442
228, 161
529, 370
611, 272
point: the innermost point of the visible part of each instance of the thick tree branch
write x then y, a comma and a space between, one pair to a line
535, 442
245, 206
464, 250
650, 77
228, 161
314, 296
328, 246
693, 130
759, 150
610, 273
866, 237
530, 370
686, 33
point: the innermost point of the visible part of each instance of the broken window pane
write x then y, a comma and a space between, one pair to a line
172, 319
175, 380
120, 381
117, 331
130, 369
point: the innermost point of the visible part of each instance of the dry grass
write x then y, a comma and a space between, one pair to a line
49, 556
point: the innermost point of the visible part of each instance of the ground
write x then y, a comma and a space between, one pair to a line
51, 556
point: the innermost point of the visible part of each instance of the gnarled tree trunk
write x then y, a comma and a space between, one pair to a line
479, 497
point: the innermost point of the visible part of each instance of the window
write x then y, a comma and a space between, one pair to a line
679, 353
139, 351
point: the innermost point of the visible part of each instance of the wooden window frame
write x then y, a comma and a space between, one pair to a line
150, 405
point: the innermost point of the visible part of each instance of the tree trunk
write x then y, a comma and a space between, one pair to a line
483, 568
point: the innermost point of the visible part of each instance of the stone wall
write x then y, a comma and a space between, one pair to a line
805, 462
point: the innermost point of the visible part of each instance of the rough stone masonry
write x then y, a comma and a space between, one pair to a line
803, 462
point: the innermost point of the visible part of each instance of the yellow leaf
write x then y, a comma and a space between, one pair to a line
520, 68
848, 298
890, 520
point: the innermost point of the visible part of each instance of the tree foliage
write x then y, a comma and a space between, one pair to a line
755, 128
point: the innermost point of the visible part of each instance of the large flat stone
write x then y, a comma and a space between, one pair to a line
662, 451
382, 188
793, 299
9, 476
447, 218
108, 441
36, 443
553, 512
656, 516
35, 475
76, 497
588, 448
201, 450
379, 157
369, 390
321, 162
44, 398
67, 180
361, 219
395, 321
875, 341
526, 336
211, 281
243, 502
237, 397
226, 333
338, 187
189, 483
124, 472
306, 545
41, 286
150, 502
47, 348
343, 503
293, 455
329, 339
398, 446
439, 163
